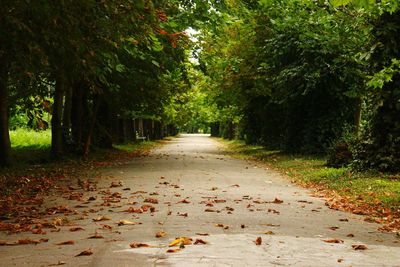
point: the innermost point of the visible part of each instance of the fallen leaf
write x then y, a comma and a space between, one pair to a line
139, 245
151, 200
58, 263
107, 227
359, 247
203, 234
185, 201
69, 242
333, 228
334, 240
28, 241
200, 242
269, 233
116, 184
126, 222
161, 234
87, 252
210, 210
277, 201
173, 250
75, 229
96, 236
258, 241
101, 218
350, 235
344, 220
181, 240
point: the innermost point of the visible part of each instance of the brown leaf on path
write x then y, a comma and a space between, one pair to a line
96, 236
69, 242
28, 241
151, 200
359, 247
203, 234
274, 211
185, 201
277, 201
126, 222
219, 200
350, 235
258, 241
139, 245
101, 218
235, 185
334, 240
161, 234
58, 263
116, 184
210, 210
200, 242
75, 229
173, 250
38, 231
333, 228
106, 226
343, 220
87, 252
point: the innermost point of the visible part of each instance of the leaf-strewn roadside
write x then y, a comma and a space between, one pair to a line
26, 185
376, 195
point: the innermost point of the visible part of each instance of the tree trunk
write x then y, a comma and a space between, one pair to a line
56, 126
79, 99
357, 116
67, 116
5, 144
89, 137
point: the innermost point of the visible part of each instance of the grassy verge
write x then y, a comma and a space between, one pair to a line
370, 193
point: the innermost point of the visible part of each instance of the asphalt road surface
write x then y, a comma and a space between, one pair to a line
201, 193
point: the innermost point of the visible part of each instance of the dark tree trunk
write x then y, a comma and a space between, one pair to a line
67, 116
5, 144
56, 126
89, 137
79, 99
357, 116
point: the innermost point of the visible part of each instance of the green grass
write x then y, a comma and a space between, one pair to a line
368, 187
21, 138
141, 145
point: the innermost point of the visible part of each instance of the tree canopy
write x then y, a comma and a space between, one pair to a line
301, 76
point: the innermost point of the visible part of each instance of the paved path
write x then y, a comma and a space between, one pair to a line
243, 202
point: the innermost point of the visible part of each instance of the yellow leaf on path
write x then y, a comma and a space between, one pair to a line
269, 233
161, 234
126, 222
181, 240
